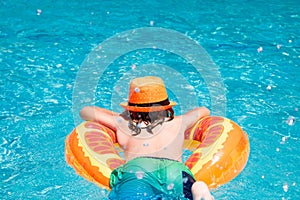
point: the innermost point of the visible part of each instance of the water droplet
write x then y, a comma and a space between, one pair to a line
119, 119
291, 120
285, 187
278, 46
259, 49
146, 144
170, 186
69, 86
139, 174
185, 180
137, 89
285, 53
133, 66
104, 193
283, 139
38, 11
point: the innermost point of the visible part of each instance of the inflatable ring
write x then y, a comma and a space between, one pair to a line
220, 151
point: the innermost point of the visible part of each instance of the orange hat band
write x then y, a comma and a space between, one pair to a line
160, 103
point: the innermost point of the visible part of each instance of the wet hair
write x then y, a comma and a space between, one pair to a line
150, 119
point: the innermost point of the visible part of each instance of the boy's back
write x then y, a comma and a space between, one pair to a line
165, 142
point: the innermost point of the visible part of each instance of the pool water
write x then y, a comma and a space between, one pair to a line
255, 46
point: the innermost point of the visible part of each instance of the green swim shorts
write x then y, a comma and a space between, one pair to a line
148, 177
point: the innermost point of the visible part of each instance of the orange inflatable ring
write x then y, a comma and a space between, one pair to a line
220, 151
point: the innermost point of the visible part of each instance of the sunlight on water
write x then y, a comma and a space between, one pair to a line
43, 44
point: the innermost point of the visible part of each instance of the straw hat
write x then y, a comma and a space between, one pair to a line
147, 94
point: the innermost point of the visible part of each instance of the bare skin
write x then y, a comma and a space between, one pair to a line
165, 142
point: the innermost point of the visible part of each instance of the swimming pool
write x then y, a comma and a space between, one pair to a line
255, 46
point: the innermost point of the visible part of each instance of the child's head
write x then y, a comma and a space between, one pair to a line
148, 103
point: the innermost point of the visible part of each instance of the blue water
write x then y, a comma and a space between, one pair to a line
43, 46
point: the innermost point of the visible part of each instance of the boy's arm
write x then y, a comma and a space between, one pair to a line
100, 115
194, 115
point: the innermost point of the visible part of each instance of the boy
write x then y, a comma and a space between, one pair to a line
152, 139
